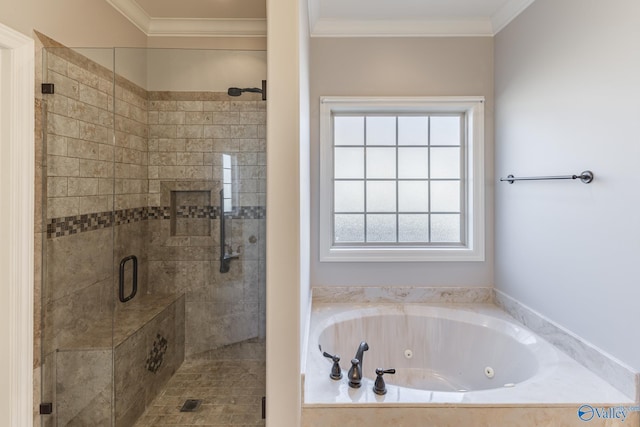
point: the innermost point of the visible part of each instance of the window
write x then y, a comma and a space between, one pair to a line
228, 182
401, 179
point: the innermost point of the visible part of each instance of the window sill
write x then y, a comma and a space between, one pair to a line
381, 254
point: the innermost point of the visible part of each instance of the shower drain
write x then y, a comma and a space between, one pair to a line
190, 405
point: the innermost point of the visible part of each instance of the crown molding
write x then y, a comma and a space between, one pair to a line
508, 13
401, 28
172, 27
480, 27
187, 27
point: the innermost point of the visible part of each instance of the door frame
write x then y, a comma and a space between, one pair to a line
17, 188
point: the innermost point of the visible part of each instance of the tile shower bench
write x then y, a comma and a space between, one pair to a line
134, 355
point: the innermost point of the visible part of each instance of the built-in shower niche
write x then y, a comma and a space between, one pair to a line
191, 207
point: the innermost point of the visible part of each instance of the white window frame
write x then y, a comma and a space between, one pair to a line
473, 111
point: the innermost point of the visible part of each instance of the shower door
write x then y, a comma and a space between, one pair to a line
76, 173
189, 228
153, 233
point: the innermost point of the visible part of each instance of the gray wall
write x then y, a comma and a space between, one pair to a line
401, 67
567, 93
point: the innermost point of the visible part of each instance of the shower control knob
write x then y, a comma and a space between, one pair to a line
379, 387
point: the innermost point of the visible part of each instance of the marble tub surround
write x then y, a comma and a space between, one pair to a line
606, 366
400, 294
559, 380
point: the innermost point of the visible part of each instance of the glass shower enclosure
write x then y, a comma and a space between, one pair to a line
153, 204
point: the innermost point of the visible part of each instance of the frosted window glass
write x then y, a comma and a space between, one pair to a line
445, 228
413, 228
381, 163
227, 190
413, 162
381, 228
445, 162
413, 196
349, 228
381, 196
349, 196
348, 130
413, 130
381, 130
349, 163
227, 205
445, 130
445, 196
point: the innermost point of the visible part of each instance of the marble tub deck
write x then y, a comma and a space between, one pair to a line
551, 398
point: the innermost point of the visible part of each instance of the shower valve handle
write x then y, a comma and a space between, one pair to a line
336, 372
379, 387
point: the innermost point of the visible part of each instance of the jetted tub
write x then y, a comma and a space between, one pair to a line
466, 353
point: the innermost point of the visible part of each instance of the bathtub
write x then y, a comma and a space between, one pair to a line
472, 354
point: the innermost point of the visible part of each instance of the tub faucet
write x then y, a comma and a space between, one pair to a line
355, 372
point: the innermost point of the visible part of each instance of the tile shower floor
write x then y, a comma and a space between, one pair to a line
231, 391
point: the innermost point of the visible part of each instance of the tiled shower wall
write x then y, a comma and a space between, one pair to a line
156, 148
189, 132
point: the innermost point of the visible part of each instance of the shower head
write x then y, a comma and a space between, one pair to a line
236, 91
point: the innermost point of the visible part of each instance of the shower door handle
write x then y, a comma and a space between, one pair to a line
134, 289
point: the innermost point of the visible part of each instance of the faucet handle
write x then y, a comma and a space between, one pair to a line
379, 387
336, 372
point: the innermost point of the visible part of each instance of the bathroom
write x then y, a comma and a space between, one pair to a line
543, 77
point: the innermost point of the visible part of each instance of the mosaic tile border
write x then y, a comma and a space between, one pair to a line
69, 225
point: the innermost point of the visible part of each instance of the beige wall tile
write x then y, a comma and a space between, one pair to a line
190, 131
190, 159
57, 64
64, 85
163, 159
163, 131
83, 186
95, 168
62, 166
215, 106
56, 145
217, 131
163, 106
57, 186
62, 206
63, 126
257, 118
93, 132
189, 105
199, 145
84, 76
93, 97
171, 144
225, 118
171, 117
83, 149
91, 204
